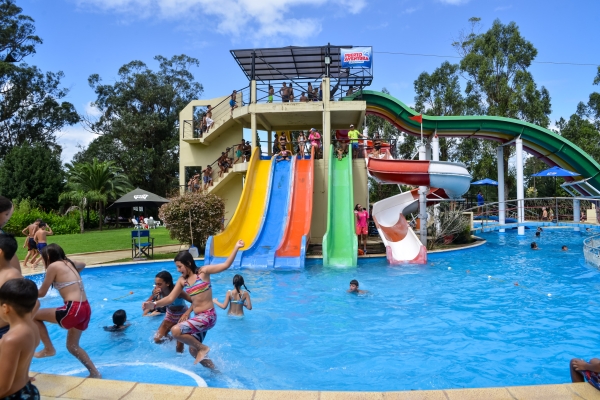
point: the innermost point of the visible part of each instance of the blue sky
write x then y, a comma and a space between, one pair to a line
82, 37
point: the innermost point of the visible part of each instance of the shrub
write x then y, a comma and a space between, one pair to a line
206, 210
24, 215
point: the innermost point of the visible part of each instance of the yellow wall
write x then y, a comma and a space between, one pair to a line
318, 225
360, 180
230, 193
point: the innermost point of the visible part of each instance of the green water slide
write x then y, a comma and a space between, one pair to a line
540, 142
340, 246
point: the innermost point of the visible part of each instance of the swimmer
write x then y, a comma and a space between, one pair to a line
539, 229
534, 246
564, 248
119, 319
354, 287
237, 299
538, 234
196, 282
163, 286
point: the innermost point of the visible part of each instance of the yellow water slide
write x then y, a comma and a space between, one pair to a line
246, 220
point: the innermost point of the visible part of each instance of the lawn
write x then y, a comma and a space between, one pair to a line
111, 239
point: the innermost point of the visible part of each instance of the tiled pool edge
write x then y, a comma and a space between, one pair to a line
68, 387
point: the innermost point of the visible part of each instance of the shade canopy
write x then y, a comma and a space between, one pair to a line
556, 171
140, 197
485, 182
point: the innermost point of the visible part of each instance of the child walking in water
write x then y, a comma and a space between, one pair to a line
236, 299
196, 283
174, 311
74, 315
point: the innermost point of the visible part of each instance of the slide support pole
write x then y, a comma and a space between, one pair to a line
423, 201
520, 187
501, 202
576, 212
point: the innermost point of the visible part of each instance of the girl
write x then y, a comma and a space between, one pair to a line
301, 144
74, 316
362, 227
163, 287
195, 282
237, 299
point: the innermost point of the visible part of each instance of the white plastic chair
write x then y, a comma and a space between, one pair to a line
135, 223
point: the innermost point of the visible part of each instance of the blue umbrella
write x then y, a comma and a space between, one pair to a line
485, 182
554, 172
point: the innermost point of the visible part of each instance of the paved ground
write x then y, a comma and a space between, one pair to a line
103, 257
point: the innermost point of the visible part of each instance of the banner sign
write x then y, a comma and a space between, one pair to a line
356, 57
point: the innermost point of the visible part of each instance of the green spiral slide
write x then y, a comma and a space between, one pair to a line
340, 246
541, 142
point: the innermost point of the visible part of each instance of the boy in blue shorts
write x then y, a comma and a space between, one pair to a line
582, 371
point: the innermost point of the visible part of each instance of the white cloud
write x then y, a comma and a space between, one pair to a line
454, 2
91, 110
503, 8
71, 138
410, 10
255, 19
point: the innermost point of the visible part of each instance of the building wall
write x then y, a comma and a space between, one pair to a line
231, 192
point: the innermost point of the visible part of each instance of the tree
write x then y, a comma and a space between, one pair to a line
139, 125
98, 182
30, 110
32, 172
206, 212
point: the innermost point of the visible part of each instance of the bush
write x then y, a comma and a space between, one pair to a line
207, 212
24, 215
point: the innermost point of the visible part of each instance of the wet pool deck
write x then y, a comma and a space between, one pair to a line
67, 387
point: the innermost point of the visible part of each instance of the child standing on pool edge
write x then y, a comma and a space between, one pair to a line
18, 298
236, 299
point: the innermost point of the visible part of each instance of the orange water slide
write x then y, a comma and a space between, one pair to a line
292, 250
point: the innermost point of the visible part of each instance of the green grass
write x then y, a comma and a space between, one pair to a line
111, 239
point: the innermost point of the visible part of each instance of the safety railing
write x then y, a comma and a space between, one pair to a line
591, 250
209, 118
296, 91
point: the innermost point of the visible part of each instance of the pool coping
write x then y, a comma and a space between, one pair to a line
70, 387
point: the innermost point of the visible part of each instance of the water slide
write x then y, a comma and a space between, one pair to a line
261, 254
401, 243
340, 245
544, 144
246, 220
292, 250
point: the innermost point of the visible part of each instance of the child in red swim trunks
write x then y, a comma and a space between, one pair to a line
582, 371
74, 315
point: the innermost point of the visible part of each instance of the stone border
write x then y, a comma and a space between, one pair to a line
69, 387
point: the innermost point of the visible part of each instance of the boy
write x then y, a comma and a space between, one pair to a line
354, 287
8, 248
271, 93
119, 319
30, 241
40, 238
18, 298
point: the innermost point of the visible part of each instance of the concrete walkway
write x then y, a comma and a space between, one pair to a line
103, 257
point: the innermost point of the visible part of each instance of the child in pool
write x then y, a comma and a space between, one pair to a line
237, 299
119, 321
174, 311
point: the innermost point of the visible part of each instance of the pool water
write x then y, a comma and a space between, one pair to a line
500, 314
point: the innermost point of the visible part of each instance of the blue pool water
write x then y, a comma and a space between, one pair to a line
459, 321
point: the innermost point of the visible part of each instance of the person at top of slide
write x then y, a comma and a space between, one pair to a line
196, 283
237, 299
74, 315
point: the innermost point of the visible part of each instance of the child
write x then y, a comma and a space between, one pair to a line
534, 246
233, 102
301, 144
239, 152
163, 286
119, 319
271, 93
237, 299
8, 249
18, 298
354, 287
40, 238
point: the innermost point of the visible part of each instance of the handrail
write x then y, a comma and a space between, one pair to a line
591, 250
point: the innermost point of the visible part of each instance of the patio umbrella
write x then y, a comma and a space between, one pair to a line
554, 172
485, 182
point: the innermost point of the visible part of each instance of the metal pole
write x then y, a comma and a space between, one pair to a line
520, 187
423, 199
501, 202
576, 212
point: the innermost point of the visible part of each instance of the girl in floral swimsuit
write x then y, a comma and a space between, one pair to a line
196, 283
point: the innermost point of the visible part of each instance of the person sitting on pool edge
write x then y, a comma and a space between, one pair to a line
534, 246
354, 287
119, 319
582, 371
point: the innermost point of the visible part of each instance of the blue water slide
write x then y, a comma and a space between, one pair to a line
261, 254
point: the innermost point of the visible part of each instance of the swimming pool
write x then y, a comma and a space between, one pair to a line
459, 321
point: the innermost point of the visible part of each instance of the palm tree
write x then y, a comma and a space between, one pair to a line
98, 182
